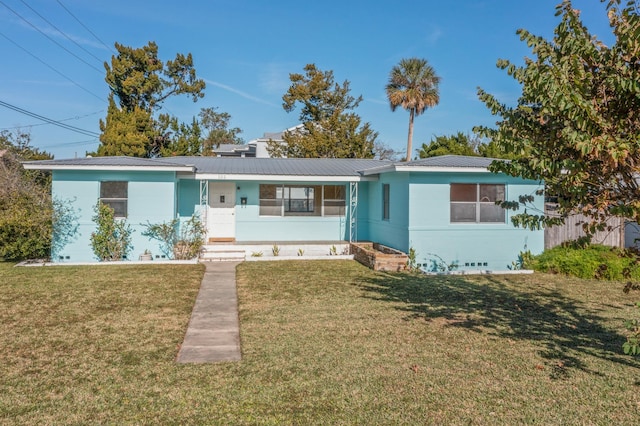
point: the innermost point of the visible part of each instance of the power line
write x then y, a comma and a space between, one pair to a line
51, 39
49, 120
51, 68
77, 117
58, 145
85, 27
62, 32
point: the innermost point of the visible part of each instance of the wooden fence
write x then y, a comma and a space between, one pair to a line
572, 230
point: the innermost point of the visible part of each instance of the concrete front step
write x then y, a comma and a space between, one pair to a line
227, 254
259, 250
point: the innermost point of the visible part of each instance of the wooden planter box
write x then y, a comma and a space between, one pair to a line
379, 257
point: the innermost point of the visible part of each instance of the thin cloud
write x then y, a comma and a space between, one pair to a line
275, 78
240, 93
435, 35
377, 101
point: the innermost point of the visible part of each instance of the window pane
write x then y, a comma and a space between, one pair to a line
463, 192
334, 192
267, 191
270, 207
333, 208
491, 193
463, 212
113, 189
492, 213
119, 207
385, 201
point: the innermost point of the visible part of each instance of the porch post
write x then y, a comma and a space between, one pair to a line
204, 201
353, 212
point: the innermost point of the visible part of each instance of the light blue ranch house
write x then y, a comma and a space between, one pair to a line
442, 207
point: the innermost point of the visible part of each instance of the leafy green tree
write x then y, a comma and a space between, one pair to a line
140, 82
138, 78
175, 138
458, 144
577, 124
413, 85
462, 144
216, 126
129, 133
330, 128
26, 208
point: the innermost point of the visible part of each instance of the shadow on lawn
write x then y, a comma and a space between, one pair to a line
564, 327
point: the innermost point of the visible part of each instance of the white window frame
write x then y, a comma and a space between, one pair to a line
478, 203
283, 200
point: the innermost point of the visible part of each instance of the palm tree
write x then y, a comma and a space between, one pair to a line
413, 85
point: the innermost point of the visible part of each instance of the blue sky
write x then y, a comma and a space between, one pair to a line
245, 50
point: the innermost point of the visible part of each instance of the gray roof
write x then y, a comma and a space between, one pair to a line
279, 166
119, 161
265, 166
451, 161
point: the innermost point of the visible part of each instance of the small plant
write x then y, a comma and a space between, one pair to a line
412, 260
346, 250
147, 251
176, 241
256, 254
524, 261
333, 251
191, 239
439, 265
300, 252
632, 345
275, 250
112, 240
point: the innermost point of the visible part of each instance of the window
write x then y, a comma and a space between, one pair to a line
334, 200
476, 203
114, 194
385, 201
302, 200
299, 200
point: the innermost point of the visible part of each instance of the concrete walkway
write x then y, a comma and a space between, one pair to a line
213, 334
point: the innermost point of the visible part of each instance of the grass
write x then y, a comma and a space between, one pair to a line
324, 342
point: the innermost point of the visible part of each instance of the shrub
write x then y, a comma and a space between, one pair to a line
180, 242
591, 262
112, 240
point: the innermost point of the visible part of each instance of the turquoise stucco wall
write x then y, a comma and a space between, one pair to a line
371, 227
471, 245
151, 197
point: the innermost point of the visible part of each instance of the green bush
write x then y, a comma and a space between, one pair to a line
590, 262
111, 241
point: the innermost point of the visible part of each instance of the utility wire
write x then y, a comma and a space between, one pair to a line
85, 27
51, 68
51, 39
77, 117
49, 120
62, 32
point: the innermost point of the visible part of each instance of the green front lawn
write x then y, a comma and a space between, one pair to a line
325, 342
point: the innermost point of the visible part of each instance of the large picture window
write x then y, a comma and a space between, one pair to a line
302, 200
115, 194
476, 203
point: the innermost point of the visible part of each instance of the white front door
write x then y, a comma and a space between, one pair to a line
222, 210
